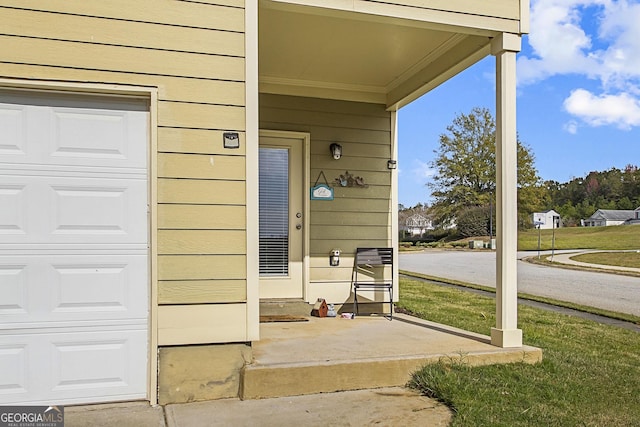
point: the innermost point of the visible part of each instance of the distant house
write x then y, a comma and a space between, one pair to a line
635, 220
544, 220
606, 217
418, 224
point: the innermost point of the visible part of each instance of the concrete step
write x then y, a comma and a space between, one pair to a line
296, 379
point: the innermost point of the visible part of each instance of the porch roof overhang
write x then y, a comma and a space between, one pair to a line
368, 51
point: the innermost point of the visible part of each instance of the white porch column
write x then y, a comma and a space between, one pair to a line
506, 332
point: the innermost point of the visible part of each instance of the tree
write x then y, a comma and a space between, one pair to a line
581, 197
465, 166
474, 221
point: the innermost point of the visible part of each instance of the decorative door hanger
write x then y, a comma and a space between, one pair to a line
321, 191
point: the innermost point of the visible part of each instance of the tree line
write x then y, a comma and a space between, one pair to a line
581, 197
463, 186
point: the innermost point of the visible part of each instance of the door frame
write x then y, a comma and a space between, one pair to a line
151, 95
305, 139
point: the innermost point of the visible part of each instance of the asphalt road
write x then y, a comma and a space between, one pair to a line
607, 291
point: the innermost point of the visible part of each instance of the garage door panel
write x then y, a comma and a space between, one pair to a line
78, 366
13, 375
104, 137
13, 125
86, 211
14, 212
56, 135
108, 358
108, 210
48, 289
13, 290
110, 288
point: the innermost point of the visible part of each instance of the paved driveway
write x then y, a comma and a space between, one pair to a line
607, 291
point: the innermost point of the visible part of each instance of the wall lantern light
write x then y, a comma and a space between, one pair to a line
336, 150
392, 164
334, 258
231, 140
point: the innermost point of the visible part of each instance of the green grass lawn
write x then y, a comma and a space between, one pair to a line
589, 376
621, 259
614, 237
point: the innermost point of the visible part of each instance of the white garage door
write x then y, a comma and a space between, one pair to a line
73, 248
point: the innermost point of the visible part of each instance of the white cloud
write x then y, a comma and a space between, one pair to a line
560, 45
421, 171
563, 43
621, 110
571, 126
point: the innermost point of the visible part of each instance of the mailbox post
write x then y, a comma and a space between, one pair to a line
539, 219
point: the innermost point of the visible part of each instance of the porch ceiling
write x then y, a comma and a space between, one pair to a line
309, 51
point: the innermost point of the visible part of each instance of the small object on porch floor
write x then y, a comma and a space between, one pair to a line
273, 318
331, 311
347, 315
320, 308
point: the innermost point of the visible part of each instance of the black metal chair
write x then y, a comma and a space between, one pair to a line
368, 274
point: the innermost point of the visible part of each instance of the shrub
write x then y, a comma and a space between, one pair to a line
474, 221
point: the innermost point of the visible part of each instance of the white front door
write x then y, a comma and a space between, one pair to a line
281, 217
74, 302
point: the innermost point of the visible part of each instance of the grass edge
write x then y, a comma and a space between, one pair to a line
583, 308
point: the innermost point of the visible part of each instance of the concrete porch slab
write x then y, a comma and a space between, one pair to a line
335, 354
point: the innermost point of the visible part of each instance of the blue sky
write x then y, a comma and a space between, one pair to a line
578, 96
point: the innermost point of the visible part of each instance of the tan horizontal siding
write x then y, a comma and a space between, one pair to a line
169, 88
187, 14
508, 9
197, 141
350, 162
117, 58
321, 133
201, 217
352, 232
120, 33
334, 120
202, 291
205, 242
331, 274
324, 106
321, 248
349, 205
356, 149
202, 324
330, 218
193, 267
362, 194
201, 192
201, 166
234, 3
346, 263
203, 116
376, 177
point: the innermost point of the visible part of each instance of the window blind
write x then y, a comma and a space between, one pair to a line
274, 211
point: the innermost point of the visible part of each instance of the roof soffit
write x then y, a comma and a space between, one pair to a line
336, 56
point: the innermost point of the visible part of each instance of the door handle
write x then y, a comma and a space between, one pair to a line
298, 226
